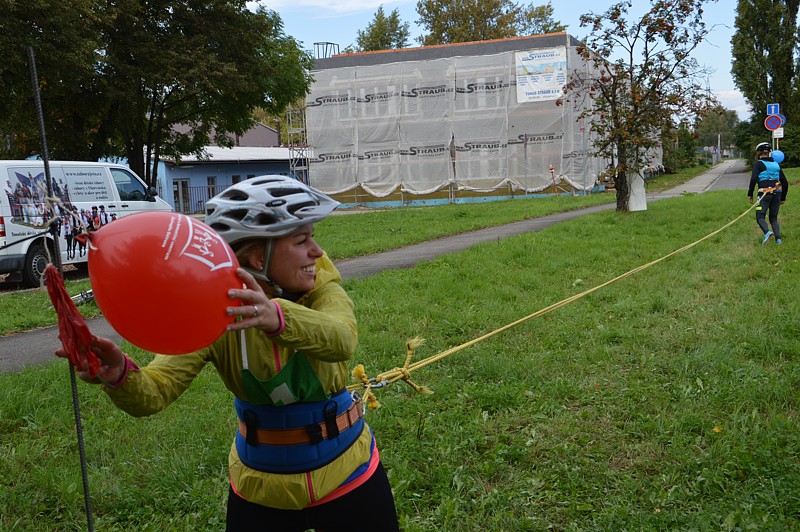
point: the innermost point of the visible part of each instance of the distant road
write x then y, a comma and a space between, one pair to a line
737, 177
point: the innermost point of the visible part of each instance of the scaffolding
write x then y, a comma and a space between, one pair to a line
298, 143
325, 50
296, 119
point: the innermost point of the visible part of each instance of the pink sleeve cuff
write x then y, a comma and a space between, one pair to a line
129, 365
282, 325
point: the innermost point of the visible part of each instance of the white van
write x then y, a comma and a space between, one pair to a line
110, 190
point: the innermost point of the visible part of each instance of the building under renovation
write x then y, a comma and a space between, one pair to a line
454, 121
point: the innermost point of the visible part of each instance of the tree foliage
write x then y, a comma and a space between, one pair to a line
680, 148
765, 66
643, 82
764, 50
66, 40
134, 69
717, 126
537, 20
453, 21
384, 33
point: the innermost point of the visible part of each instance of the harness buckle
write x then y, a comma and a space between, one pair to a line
330, 412
314, 433
251, 423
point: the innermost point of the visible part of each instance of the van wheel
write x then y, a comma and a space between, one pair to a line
35, 263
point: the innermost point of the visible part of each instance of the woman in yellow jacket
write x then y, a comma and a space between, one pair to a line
302, 457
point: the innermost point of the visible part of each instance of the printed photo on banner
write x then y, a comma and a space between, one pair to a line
541, 74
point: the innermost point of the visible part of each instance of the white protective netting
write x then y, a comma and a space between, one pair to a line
331, 129
425, 124
471, 122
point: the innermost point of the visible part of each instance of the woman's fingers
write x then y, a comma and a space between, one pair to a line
256, 309
248, 279
112, 360
254, 300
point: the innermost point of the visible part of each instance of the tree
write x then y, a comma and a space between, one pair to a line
384, 33
717, 126
680, 149
764, 50
452, 21
765, 67
147, 66
642, 82
66, 42
536, 20
205, 68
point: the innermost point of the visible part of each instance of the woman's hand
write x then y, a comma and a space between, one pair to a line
112, 362
256, 310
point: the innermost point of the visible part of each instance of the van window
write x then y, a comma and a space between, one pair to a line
129, 187
89, 183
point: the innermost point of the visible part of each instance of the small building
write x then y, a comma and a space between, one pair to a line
189, 182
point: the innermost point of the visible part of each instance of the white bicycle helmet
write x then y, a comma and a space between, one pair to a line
268, 206
764, 146
265, 207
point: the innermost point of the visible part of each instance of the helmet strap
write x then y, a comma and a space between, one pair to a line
263, 273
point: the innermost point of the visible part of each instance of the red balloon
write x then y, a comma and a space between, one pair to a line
162, 280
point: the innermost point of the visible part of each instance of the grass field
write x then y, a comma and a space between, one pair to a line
666, 401
378, 231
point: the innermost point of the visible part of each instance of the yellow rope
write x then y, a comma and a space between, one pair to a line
404, 373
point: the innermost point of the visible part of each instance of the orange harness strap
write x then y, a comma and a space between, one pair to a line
301, 435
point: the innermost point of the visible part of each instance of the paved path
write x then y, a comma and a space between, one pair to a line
38, 346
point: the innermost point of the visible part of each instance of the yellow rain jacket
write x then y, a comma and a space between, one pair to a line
322, 325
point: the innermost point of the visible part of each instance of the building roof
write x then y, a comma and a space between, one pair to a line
421, 53
218, 154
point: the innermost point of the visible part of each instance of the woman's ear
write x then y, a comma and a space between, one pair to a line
255, 258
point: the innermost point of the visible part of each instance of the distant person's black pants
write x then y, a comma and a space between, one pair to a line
771, 203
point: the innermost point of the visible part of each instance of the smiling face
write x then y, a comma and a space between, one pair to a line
294, 259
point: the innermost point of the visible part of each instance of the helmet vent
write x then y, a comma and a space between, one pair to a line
237, 214
297, 206
286, 191
265, 218
259, 182
235, 195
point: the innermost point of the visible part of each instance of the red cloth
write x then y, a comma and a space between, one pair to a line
72, 329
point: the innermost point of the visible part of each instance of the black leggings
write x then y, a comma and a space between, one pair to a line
769, 202
370, 505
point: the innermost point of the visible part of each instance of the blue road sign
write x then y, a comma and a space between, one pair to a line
773, 108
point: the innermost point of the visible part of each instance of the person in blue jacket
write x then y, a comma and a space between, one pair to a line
772, 189
302, 455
